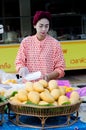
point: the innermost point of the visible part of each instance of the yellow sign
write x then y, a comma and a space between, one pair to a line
74, 54
7, 57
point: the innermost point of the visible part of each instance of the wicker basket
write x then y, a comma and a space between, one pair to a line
43, 112
2, 110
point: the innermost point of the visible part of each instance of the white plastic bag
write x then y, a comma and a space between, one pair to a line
33, 76
8, 76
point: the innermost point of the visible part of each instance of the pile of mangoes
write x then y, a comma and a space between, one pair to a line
44, 93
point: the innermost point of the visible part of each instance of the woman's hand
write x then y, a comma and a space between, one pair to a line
45, 77
50, 76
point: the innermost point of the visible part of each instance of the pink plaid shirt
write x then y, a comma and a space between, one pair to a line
45, 56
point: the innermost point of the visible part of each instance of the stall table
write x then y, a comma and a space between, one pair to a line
7, 125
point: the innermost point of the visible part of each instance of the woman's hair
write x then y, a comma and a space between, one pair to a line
41, 14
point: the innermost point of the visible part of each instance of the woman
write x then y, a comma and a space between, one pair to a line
41, 52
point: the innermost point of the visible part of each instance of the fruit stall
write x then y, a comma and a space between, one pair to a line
40, 104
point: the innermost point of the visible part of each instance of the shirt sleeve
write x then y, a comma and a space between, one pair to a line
59, 61
21, 56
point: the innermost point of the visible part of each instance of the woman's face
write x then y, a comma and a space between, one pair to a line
42, 28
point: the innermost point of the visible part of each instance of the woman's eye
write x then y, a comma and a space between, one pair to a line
46, 26
41, 26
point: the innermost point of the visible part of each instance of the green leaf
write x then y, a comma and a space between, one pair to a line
2, 98
30, 103
66, 103
49, 104
13, 94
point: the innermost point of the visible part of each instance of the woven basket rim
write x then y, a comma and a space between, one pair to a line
44, 107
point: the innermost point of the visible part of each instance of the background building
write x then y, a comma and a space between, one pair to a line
68, 26
69, 18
